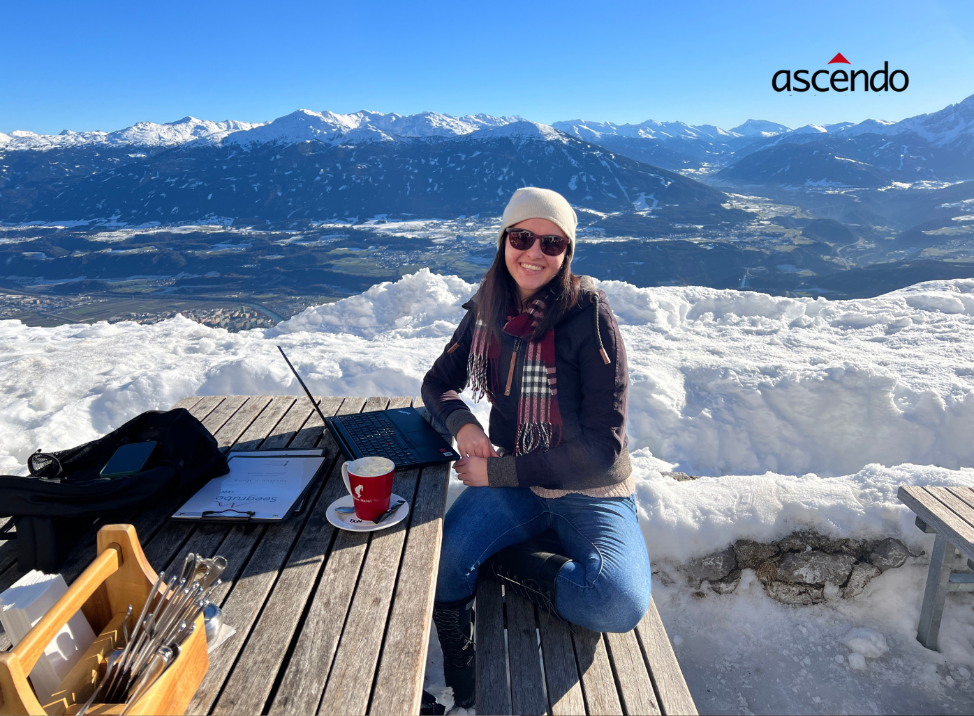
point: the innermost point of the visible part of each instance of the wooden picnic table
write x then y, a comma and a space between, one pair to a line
948, 512
328, 621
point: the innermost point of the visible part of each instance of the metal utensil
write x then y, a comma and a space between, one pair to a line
216, 566
212, 620
125, 625
388, 512
160, 660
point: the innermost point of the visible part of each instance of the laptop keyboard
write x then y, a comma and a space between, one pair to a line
374, 435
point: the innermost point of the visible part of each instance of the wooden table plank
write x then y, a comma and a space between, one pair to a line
939, 516
237, 547
632, 676
223, 412
357, 656
206, 405
227, 435
307, 672
205, 541
188, 402
291, 423
255, 673
598, 683
493, 690
265, 423
162, 549
956, 505
664, 670
966, 494
244, 603
313, 433
242, 606
399, 681
561, 674
527, 690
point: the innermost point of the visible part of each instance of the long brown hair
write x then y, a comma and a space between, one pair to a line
498, 296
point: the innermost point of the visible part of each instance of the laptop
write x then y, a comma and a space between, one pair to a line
400, 434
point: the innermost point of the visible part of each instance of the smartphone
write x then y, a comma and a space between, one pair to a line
128, 460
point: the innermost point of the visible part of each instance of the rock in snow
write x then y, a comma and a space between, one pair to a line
888, 554
712, 567
861, 574
815, 568
751, 554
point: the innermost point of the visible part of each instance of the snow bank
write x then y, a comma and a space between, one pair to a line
728, 382
420, 304
693, 518
722, 382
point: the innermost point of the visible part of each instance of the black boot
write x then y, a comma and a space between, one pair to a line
527, 571
454, 627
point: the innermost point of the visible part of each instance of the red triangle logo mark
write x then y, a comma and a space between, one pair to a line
839, 58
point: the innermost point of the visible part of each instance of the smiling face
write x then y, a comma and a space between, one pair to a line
533, 269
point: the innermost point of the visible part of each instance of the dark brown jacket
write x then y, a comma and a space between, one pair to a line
592, 398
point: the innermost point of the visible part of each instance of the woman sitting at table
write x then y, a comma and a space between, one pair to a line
544, 347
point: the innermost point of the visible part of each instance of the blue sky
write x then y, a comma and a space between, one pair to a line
107, 65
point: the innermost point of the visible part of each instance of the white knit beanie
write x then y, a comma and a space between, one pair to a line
530, 202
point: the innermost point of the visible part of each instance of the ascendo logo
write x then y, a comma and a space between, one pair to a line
840, 80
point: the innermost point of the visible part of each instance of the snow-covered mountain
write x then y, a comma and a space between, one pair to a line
363, 127
146, 134
936, 146
650, 129
760, 128
323, 166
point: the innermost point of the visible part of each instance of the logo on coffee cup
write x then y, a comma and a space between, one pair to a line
358, 490
840, 80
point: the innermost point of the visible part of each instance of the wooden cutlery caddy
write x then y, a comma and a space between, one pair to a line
120, 575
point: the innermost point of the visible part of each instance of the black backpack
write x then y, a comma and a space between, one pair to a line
65, 494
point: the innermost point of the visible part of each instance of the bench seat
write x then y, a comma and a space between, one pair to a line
531, 663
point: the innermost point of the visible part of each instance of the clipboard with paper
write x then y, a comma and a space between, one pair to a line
257, 489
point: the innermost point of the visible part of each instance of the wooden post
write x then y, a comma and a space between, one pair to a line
936, 591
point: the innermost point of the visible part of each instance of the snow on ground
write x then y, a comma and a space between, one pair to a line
797, 413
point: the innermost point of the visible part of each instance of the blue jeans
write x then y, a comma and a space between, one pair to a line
605, 586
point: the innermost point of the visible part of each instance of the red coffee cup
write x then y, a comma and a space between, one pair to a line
369, 482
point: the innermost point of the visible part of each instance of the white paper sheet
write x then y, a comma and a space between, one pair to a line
256, 487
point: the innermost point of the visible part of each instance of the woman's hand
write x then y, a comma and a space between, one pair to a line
472, 471
472, 441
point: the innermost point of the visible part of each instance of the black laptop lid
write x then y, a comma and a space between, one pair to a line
412, 424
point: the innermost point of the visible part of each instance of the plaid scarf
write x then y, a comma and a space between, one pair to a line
538, 418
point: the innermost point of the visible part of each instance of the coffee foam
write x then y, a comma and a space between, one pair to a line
371, 466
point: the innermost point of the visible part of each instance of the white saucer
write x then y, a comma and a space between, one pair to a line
353, 524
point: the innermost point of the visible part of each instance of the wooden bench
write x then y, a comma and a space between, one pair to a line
327, 621
948, 512
545, 667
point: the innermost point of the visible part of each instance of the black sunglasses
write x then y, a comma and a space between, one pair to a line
522, 240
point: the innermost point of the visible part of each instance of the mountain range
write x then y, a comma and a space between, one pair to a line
321, 165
